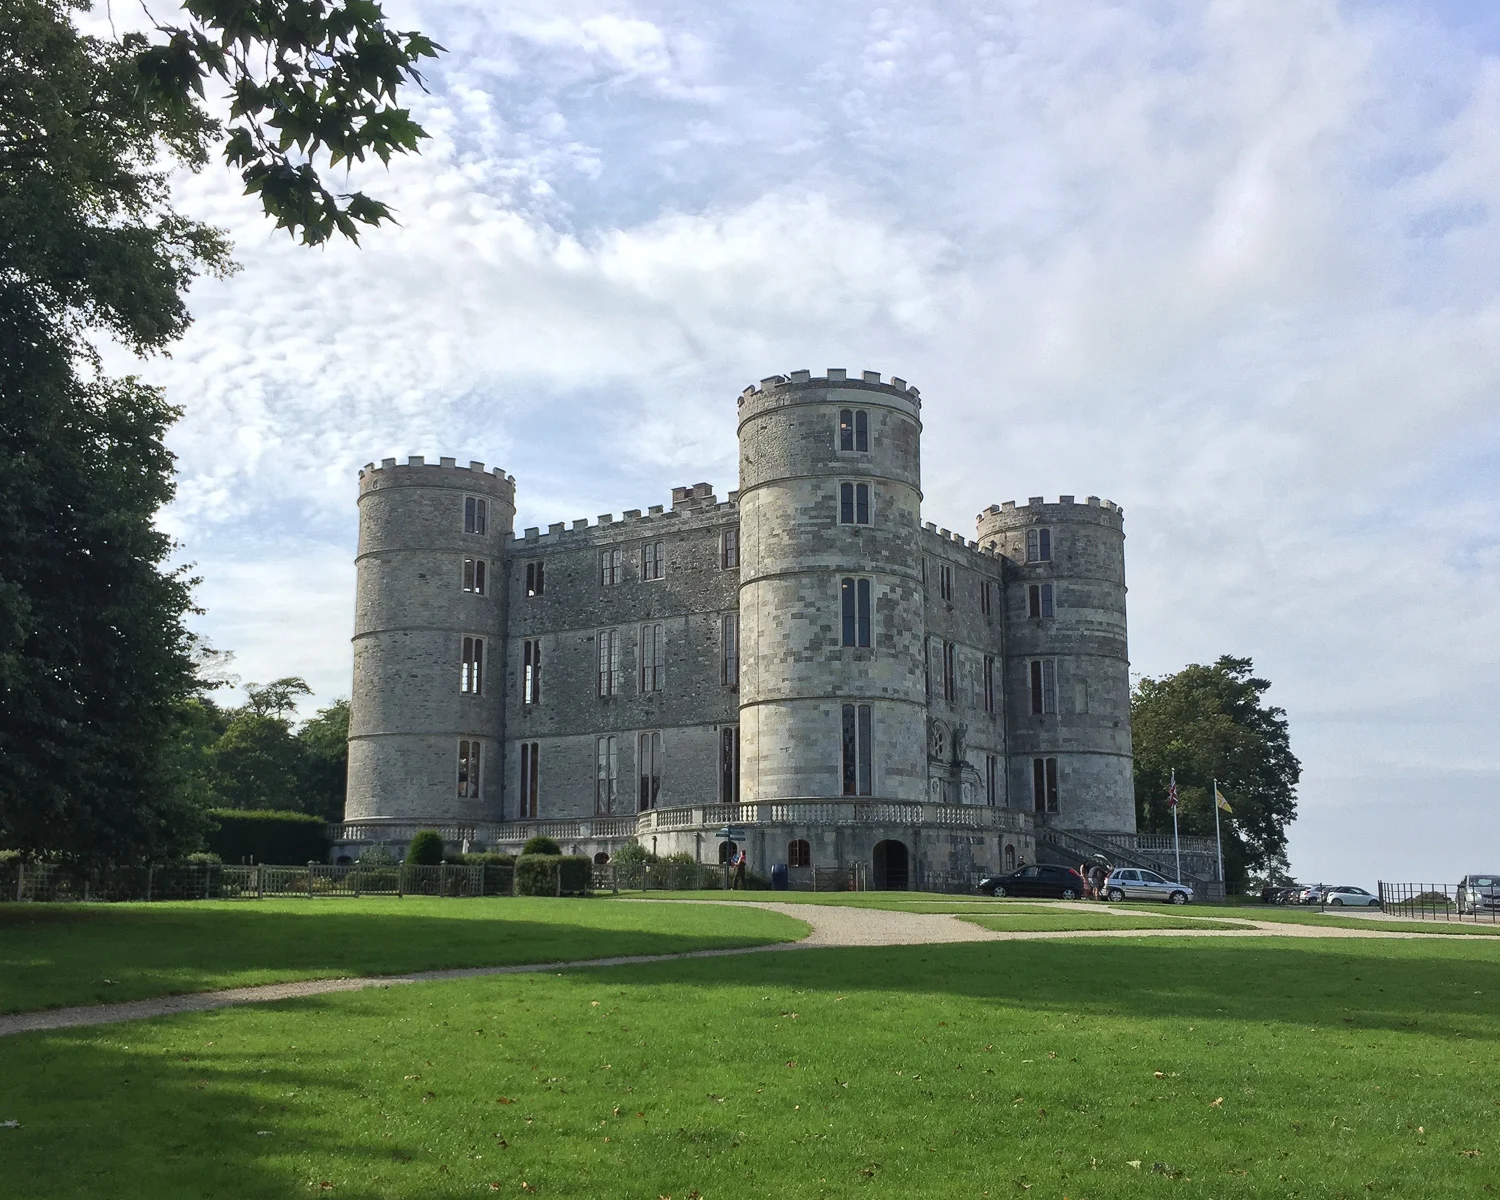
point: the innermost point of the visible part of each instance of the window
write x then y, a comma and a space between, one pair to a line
729, 549
651, 560
950, 672
989, 683
856, 750
1010, 858
471, 680
854, 430
945, 582
731, 645
531, 754
992, 779
474, 514
984, 598
798, 853
474, 575
531, 672
653, 658
607, 780
729, 764
1039, 600
1038, 545
1044, 784
534, 578
1043, 685
927, 665
611, 563
854, 603
468, 770
609, 662
648, 761
854, 504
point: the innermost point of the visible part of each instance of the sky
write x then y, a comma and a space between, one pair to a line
1233, 265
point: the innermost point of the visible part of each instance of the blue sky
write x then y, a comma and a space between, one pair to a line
1232, 265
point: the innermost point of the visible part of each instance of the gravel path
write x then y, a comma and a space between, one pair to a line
832, 926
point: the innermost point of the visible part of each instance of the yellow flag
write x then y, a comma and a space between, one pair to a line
1221, 802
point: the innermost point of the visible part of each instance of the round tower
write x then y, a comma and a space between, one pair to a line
1067, 664
832, 698
425, 713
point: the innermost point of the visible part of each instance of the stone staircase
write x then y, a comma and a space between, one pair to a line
1069, 847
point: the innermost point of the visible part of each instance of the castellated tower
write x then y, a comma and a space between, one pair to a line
832, 696
1067, 669
426, 713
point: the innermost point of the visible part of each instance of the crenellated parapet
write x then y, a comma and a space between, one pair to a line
416, 471
803, 387
692, 506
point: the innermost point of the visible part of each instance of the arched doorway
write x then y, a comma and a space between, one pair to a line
727, 851
601, 858
891, 870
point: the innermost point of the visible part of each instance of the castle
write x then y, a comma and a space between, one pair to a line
804, 661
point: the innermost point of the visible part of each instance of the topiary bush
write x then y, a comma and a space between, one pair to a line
541, 845
426, 849
538, 874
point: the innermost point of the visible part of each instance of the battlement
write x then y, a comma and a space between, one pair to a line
693, 501
837, 377
445, 472
1040, 503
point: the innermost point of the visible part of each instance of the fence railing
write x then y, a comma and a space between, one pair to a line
1440, 902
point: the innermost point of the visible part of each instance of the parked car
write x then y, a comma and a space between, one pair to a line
1137, 883
1042, 879
1313, 894
1341, 896
1479, 893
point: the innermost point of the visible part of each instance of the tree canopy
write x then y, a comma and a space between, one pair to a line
1207, 723
96, 661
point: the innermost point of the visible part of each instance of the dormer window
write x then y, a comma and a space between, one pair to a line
854, 430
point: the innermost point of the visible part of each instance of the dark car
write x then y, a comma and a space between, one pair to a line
1063, 883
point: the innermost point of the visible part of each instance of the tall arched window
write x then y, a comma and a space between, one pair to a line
1010, 858
798, 853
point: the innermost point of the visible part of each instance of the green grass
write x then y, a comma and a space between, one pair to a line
1329, 918
887, 901
1244, 1067
1064, 921
63, 954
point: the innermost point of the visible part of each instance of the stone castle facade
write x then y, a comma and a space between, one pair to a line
804, 659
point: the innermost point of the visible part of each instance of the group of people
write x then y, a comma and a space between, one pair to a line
1094, 874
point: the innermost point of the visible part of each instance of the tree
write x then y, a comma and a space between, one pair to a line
324, 739
96, 662
1207, 723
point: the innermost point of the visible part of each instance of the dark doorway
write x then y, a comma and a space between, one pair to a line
890, 874
727, 851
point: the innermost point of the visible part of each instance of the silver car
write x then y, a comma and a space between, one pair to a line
1340, 897
1137, 883
1479, 894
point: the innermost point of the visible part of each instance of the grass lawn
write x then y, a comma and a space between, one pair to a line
62, 954
1311, 916
890, 901
1095, 1070
1063, 920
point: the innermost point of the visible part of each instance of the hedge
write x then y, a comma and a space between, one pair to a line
538, 874
279, 838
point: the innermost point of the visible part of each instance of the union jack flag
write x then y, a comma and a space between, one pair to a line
1172, 792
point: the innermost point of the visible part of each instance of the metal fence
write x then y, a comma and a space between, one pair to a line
1440, 902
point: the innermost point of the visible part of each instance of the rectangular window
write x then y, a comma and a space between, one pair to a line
651, 560
468, 770
1043, 685
531, 672
846, 429
648, 762
945, 582
611, 567
989, 683
992, 779
729, 549
471, 679
653, 658
984, 598
1039, 600
474, 575
950, 672
609, 662
856, 750
861, 430
854, 504
474, 514
1038, 545
1044, 784
534, 578
854, 609
531, 762
927, 665
729, 764
607, 779
731, 649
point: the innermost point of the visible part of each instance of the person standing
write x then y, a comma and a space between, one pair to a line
739, 870
1088, 884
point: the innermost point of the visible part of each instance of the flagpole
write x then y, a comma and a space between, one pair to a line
1218, 840
1176, 844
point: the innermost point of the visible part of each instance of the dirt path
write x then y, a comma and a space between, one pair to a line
832, 926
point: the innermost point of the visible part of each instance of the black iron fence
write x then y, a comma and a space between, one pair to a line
1441, 901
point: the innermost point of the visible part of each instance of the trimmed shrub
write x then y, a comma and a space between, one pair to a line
426, 849
489, 858
537, 874
267, 836
202, 858
541, 845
